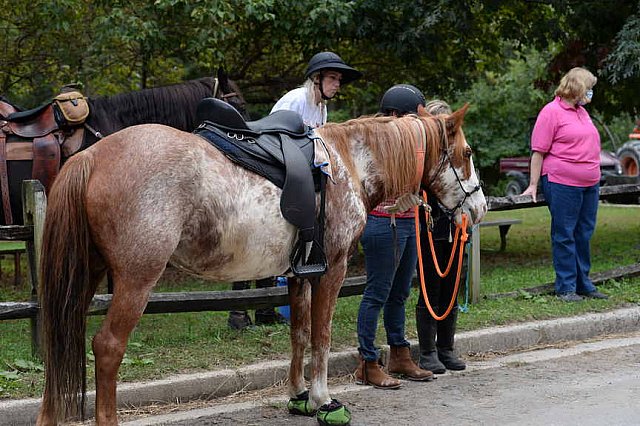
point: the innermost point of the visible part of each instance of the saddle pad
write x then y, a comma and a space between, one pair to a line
247, 154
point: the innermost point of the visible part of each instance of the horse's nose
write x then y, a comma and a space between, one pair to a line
478, 212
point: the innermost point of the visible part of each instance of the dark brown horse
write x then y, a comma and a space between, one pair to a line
173, 105
150, 194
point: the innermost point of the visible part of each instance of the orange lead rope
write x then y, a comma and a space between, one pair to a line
461, 228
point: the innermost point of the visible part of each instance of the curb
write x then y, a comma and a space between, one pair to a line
258, 376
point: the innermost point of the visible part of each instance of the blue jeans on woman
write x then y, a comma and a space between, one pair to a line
388, 282
573, 219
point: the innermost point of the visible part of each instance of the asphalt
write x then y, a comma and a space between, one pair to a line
221, 383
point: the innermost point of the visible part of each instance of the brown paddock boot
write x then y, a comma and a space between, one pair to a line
370, 373
401, 364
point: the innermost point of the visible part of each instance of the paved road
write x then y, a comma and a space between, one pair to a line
595, 383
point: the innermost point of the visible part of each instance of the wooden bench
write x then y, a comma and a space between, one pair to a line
503, 225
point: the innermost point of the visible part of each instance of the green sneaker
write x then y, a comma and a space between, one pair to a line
334, 414
300, 405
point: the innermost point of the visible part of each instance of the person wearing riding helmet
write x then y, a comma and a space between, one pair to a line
390, 261
437, 356
326, 72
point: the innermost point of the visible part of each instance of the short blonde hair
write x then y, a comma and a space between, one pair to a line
575, 83
437, 107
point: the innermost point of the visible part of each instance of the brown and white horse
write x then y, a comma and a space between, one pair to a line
150, 194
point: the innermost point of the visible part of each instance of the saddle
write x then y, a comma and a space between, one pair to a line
43, 135
280, 148
6, 108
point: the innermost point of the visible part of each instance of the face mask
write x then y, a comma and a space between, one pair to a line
589, 94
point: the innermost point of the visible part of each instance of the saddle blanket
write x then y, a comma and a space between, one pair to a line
268, 163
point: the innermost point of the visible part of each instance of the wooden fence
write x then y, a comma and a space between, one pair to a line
34, 202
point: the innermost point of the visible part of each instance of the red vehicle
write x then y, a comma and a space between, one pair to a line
624, 162
517, 169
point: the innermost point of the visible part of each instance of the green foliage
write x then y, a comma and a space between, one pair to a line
503, 110
623, 62
442, 46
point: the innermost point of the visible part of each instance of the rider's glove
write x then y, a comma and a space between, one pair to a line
404, 203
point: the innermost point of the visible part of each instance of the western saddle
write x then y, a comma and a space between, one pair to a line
44, 135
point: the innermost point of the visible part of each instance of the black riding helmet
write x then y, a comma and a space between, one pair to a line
403, 98
331, 61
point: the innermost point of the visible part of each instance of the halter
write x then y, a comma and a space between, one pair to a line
223, 96
446, 157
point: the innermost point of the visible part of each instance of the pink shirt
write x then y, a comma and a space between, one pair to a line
570, 144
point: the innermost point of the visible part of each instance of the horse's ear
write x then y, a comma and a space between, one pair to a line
455, 120
222, 75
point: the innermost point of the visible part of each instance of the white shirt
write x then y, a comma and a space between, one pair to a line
298, 101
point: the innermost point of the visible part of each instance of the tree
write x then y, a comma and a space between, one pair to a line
503, 110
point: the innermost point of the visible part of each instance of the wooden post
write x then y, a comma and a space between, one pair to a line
34, 202
474, 279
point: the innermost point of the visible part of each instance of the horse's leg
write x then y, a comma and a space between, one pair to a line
130, 297
299, 300
323, 302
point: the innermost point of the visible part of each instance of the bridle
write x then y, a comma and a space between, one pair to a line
219, 94
447, 158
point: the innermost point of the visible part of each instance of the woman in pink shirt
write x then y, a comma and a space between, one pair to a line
566, 159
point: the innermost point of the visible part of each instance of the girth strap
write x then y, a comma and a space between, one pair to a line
4, 180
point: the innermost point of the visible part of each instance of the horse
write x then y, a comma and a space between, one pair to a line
151, 195
172, 105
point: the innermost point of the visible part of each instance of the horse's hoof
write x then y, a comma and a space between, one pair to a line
334, 414
300, 405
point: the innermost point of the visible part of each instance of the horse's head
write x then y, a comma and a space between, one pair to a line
228, 91
450, 174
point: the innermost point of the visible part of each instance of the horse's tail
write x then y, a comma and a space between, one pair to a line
66, 290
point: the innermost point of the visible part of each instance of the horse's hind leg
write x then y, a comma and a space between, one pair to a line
109, 344
299, 301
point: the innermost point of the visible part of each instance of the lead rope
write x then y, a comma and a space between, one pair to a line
464, 308
461, 230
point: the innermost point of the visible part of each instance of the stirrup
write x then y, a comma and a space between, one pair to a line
307, 270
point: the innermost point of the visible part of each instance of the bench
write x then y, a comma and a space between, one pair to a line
503, 225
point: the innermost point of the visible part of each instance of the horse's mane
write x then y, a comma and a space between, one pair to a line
392, 142
173, 105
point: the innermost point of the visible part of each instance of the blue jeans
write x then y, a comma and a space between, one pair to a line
573, 220
388, 282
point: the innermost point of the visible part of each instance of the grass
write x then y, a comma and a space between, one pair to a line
163, 345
